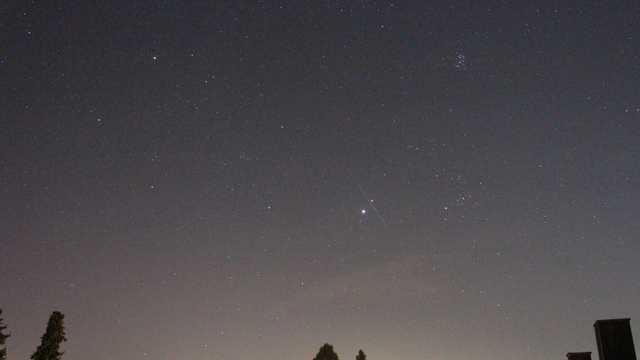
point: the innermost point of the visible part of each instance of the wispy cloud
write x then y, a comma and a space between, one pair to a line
387, 282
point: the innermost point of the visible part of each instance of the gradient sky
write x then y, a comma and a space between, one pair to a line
196, 180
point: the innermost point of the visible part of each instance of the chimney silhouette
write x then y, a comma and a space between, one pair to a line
579, 356
614, 339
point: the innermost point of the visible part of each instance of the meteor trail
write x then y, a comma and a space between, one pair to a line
368, 200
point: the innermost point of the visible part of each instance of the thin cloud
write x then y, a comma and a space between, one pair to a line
388, 282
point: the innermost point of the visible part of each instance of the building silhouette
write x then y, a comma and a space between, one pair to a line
614, 339
579, 356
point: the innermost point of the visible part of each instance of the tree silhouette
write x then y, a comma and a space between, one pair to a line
3, 338
50, 346
326, 353
361, 355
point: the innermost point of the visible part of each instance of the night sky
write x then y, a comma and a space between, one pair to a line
245, 179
